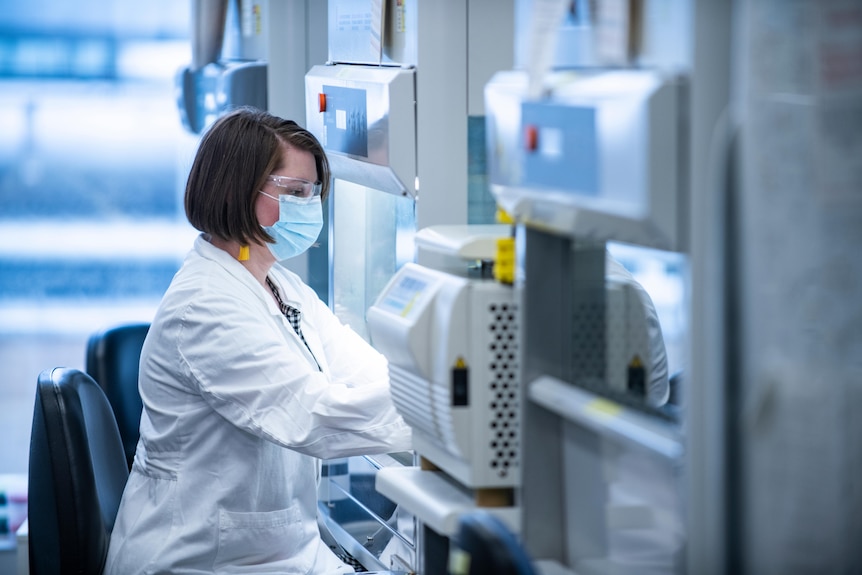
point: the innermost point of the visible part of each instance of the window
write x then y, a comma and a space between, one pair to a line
93, 159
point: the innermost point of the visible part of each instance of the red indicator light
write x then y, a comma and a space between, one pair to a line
531, 138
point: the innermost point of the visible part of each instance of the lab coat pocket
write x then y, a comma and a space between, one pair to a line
269, 539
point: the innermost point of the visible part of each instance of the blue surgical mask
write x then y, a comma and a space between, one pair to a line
299, 223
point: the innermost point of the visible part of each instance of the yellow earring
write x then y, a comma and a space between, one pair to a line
243, 253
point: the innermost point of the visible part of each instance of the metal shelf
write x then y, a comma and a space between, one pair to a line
607, 418
434, 499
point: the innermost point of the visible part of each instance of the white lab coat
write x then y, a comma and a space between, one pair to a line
236, 415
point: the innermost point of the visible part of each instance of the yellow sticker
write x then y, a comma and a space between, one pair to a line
459, 561
603, 407
409, 306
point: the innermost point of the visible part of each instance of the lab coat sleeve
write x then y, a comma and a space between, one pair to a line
238, 359
352, 361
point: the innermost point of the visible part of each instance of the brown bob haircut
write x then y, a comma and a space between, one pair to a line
234, 158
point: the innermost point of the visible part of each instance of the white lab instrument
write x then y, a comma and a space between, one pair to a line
452, 345
636, 360
400, 114
597, 157
365, 117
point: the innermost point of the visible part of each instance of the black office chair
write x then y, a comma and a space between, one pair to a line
492, 548
77, 474
113, 357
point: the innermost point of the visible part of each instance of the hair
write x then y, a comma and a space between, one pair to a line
233, 160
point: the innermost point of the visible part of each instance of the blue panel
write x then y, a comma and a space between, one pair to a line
345, 121
566, 157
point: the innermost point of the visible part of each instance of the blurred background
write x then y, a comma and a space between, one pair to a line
93, 159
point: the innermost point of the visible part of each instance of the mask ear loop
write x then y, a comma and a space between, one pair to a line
243, 253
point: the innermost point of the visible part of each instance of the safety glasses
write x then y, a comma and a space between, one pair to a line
296, 187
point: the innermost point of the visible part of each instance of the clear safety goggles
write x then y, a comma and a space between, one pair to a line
296, 188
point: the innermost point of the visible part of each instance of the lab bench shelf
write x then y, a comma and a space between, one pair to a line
434, 498
607, 418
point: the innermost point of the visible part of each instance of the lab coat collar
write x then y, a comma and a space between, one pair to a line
208, 251
279, 275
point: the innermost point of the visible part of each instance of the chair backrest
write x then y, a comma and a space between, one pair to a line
77, 474
113, 358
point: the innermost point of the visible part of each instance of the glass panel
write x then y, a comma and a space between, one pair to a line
371, 238
367, 522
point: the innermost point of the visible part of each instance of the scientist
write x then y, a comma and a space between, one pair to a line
247, 378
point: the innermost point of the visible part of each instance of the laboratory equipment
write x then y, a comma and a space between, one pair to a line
597, 156
579, 158
228, 67
453, 344
398, 106
554, 166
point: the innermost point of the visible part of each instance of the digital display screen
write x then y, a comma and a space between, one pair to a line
402, 297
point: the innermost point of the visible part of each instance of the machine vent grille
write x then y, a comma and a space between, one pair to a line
504, 388
411, 395
588, 345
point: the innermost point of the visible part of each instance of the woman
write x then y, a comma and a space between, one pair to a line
246, 377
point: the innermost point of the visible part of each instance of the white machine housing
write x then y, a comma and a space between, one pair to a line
453, 349
365, 117
596, 157
627, 333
